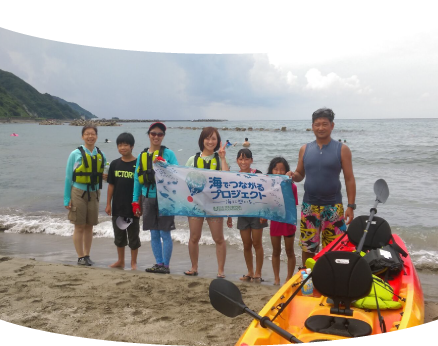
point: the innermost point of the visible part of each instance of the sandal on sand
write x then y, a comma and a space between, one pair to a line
258, 280
246, 278
191, 273
220, 276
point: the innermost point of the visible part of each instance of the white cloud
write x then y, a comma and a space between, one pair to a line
425, 95
270, 80
334, 83
291, 78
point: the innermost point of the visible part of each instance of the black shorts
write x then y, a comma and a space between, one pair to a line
121, 236
151, 219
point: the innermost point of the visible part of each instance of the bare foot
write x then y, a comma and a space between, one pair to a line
133, 266
118, 264
276, 282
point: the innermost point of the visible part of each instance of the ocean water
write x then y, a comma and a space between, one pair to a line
404, 152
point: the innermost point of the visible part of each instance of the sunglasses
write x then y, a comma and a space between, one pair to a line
156, 134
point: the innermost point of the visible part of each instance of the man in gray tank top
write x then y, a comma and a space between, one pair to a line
321, 162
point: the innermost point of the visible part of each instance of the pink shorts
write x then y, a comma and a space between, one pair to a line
279, 229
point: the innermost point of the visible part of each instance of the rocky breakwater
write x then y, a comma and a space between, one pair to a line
50, 122
282, 129
81, 122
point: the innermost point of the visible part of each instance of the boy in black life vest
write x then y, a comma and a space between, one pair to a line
120, 188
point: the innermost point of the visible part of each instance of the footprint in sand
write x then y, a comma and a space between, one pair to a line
164, 318
193, 284
20, 271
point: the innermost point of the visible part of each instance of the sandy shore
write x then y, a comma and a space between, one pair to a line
129, 306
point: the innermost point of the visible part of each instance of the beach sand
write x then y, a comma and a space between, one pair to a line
110, 304
128, 306
123, 305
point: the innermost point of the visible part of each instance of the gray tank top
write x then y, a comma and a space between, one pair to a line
322, 168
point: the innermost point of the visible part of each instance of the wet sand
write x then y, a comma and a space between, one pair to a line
122, 305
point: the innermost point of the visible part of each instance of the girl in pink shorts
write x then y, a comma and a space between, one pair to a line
279, 165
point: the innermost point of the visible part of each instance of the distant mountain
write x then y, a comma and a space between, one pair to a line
19, 99
76, 107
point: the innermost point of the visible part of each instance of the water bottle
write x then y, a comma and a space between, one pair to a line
307, 289
106, 169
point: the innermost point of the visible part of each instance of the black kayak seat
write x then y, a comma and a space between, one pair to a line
378, 235
348, 327
343, 277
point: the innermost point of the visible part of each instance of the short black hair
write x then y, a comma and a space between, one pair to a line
246, 153
274, 163
126, 138
246, 139
323, 113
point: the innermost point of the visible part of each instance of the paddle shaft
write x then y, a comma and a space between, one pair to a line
362, 240
265, 322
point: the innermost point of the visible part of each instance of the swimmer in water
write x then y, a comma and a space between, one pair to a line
246, 144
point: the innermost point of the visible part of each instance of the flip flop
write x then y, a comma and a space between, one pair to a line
220, 276
191, 273
246, 278
258, 280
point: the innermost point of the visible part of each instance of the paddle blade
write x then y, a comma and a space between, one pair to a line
381, 190
226, 298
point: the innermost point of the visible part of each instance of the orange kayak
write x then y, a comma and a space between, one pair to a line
407, 290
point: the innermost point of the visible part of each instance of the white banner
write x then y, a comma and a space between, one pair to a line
192, 191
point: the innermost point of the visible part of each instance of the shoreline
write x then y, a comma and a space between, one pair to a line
124, 305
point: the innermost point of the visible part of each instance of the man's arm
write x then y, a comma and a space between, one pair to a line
299, 173
350, 182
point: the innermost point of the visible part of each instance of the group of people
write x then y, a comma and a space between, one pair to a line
132, 193
245, 144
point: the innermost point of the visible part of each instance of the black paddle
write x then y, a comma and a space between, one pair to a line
382, 192
226, 298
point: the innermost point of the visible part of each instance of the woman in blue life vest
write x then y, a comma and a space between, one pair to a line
211, 156
83, 181
146, 189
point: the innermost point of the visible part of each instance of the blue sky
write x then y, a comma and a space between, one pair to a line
364, 60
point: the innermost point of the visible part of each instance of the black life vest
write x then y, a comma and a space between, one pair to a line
386, 259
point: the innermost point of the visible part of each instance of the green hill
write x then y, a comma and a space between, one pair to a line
76, 107
19, 99
10, 107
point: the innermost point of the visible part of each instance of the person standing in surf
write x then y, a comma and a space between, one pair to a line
144, 185
321, 162
211, 156
119, 197
83, 181
251, 228
279, 165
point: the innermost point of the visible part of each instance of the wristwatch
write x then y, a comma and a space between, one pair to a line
352, 206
